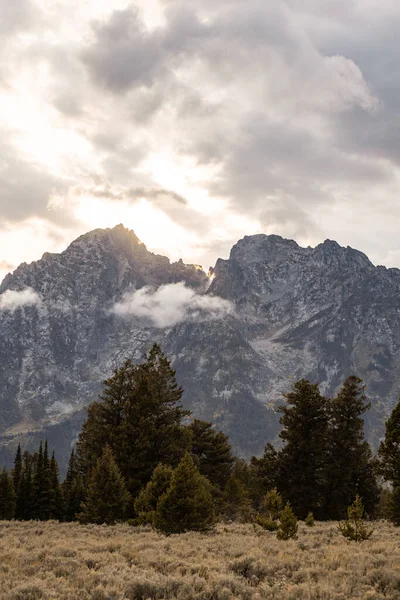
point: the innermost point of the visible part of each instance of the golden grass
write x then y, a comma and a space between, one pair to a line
71, 561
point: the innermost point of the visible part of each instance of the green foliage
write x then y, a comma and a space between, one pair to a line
267, 523
354, 528
263, 474
389, 449
56, 505
349, 465
146, 502
140, 416
303, 458
395, 506
106, 497
273, 503
309, 520
236, 504
287, 524
212, 452
187, 504
72, 489
7, 496
17, 471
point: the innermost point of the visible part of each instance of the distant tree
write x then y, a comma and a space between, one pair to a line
72, 489
309, 520
264, 473
187, 504
273, 504
236, 504
354, 528
25, 499
212, 452
146, 502
7, 496
106, 498
17, 471
349, 465
56, 505
140, 416
287, 524
389, 449
395, 506
302, 460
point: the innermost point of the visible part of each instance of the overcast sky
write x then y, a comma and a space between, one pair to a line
195, 123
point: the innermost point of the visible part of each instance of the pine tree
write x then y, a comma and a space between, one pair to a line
302, 460
212, 452
264, 472
187, 504
17, 471
7, 496
72, 489
309, 520
236, 503
273, 504
146, 502
287, 525
389, 449
56, 506
140, 416
106, 497
354, 528
349, 465
395, 506
25, 498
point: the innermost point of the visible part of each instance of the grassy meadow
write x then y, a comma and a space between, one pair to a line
72, 561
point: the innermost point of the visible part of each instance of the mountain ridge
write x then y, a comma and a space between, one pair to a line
322, 313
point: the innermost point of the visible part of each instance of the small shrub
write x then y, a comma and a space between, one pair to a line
267, 523
288, 524
354, 528
309, 521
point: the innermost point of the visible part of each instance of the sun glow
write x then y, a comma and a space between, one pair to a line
153, 227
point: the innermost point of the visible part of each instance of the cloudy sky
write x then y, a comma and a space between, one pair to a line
195, 123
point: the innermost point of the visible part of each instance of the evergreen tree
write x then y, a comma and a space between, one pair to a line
302, 460
42, 484
25, 499
187, 504
7, 496
264, 472
309, 520
140, 416
212, 452
72, 489
395, 506
236, 503
349, 465
354, 528
106, 497
389, 449
288, 524
146, 502
17, 471
56, 507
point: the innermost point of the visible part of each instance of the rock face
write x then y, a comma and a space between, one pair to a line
322, 313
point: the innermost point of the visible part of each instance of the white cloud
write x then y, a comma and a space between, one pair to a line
171, 304
12, 300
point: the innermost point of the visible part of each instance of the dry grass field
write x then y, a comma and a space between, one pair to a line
70, 561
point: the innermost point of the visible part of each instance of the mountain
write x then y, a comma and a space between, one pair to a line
321, 313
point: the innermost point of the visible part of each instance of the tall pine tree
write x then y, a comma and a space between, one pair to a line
389, 460
211, 452
349, 466
17, 471
72, 489
302, 460
140, 416
106, 498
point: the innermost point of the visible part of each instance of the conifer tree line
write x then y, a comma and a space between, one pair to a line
139, 458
